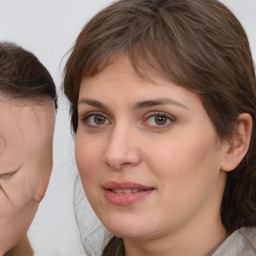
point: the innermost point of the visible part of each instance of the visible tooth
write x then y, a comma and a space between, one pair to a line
118, 191
127, 191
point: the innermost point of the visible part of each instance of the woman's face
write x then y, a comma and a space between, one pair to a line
148, 155
26, 136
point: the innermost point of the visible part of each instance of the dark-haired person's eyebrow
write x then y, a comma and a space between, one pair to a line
159, 101
93, 103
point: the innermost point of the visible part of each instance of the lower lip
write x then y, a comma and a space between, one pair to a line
126, 199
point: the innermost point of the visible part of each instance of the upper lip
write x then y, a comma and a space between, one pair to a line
125, 185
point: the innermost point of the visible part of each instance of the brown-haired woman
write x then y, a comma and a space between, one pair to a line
27, 117
162, 100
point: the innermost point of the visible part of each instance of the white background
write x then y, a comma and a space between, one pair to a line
48, 28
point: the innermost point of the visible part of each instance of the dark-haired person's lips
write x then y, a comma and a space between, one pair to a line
125, 193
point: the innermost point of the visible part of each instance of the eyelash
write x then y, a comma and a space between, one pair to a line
168, 118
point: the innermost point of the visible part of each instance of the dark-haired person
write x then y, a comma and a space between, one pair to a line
163, 106
27, 118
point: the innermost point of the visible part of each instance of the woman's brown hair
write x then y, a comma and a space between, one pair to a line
22, 75
197, 44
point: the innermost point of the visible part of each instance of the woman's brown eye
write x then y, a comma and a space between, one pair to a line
94, 120
99, 120
160, 120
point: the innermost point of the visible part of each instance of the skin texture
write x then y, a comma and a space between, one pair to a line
25, 164
119, 139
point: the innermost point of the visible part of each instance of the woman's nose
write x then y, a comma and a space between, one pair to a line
122, 149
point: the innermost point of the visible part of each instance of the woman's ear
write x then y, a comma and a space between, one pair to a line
239, 143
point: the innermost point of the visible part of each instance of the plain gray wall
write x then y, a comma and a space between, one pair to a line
48, 28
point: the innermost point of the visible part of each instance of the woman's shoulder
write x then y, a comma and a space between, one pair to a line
242, 242
23, 248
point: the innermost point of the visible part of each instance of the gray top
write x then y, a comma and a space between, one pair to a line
240, 243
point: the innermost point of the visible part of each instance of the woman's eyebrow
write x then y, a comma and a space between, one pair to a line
93, 103
138, 105
159, 101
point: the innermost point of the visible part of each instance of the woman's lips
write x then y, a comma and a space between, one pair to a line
125, 193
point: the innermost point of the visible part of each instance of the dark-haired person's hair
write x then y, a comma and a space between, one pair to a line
22, 75
197, 44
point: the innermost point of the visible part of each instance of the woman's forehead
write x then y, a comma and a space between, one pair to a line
25, 118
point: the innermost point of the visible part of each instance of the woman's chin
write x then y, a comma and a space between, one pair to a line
128, 231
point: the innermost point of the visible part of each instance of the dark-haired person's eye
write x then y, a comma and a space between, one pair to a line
159, 120
96, 119
5, 176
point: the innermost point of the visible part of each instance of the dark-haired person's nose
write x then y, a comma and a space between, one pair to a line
122, 150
